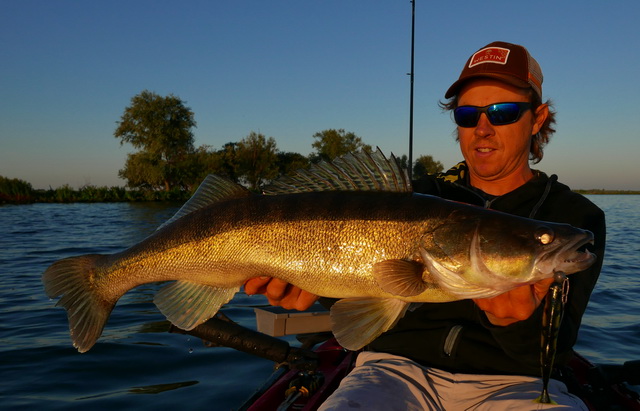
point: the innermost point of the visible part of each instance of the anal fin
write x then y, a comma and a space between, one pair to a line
187, 304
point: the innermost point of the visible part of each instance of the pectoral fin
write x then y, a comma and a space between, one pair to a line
188, 304
400, 277
356, 322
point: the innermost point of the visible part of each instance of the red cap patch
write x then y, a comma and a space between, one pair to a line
497, 55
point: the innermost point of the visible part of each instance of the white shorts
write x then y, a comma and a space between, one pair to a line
382, 381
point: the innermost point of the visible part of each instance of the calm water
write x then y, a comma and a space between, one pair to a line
136, 364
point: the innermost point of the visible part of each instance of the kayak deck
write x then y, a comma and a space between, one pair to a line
289, 390
306, 376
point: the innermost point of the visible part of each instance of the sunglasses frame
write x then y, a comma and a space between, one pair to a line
522, 107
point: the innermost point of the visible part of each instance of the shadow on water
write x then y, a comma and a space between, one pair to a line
149, 389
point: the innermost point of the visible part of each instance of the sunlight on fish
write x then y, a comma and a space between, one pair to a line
352, 230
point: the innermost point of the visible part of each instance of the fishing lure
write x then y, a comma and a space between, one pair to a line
551, 320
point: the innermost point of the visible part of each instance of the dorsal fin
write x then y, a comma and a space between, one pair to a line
213, 189
361, 171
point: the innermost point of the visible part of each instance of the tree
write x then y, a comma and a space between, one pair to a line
160, 127
426, 164
14, 190
228, 166
256, 159
403, 160
290, 162
332, 143
142, 170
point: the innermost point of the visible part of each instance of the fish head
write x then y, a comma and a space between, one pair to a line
562, 248
482, 254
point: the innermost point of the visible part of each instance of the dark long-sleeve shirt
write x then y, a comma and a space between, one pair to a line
457, 336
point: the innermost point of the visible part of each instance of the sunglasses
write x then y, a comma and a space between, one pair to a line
498, 114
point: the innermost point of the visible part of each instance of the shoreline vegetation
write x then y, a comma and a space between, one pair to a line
596, 191
15, 191
167, 166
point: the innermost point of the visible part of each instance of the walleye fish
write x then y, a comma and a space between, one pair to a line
351, 229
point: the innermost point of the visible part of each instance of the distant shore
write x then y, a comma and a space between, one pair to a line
90, 194
603, 191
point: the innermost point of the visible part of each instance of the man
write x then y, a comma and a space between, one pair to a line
483, 353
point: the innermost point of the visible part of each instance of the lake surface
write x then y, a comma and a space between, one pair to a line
137, 364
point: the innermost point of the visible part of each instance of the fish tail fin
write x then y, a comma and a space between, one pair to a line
72, 280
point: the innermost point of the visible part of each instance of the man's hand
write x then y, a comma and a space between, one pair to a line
280, 293
515, 305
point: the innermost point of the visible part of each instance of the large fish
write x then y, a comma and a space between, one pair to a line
351, 230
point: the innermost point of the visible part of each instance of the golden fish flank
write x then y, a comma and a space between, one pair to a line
351, 230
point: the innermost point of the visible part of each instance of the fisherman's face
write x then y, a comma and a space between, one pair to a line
498, 156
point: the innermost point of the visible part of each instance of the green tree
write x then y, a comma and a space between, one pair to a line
426, 164
207, 161
332, 143
256, 159
228, 166
289, 162
143, 170
14, 190
403, 160
160, 128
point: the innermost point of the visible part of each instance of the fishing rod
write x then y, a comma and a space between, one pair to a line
220, 331
413, 25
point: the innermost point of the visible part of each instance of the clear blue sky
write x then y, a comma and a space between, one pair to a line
288, 69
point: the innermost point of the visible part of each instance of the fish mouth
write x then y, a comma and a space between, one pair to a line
575, 256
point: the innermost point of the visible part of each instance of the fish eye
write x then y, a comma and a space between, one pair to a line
544, 235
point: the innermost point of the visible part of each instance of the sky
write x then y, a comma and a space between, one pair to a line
289, 69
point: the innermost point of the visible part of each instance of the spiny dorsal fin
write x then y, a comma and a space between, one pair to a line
361, 171
213, 189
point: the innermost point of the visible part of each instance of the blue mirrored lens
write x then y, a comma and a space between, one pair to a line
498, 114
503, 113
466, 116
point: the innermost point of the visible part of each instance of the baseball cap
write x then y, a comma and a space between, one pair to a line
503, 61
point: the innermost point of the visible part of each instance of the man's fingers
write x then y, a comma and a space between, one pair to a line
280, 293
297, 299
257, 285
541, 288
276, 289
514, 305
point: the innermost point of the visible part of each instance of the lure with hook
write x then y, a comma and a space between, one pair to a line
551, 320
